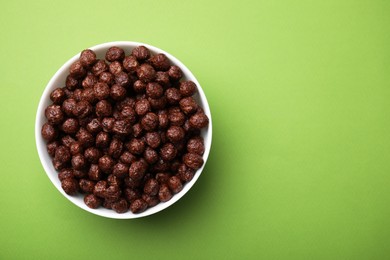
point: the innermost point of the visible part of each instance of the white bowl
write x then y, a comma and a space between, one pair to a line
58, 80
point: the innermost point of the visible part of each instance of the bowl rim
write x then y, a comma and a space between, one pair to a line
41, 144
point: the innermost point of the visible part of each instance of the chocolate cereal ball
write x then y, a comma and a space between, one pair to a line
115, 67
54, 114
115, 53
115, 148
92, 154
94, 173
127, 157
153, 139
174, 184
188, 105
130, 63
101, 90
146, 73
137, 170
49, 132
86, 185
122, 79
85, 138
89, 81
70, 186
162, 78
164, 194
150, 155
77, 70
142, 106
141, 53
82, 109
68, 106
151, 187
78, 162
57, 96
122, 127
75, 148
117, 92
154, 90
120, 206
92, 201
175, 73
173, 95
138, 206
150, 121
139, 86
71, 83
103, 108
107, 77
193, 160
168, 152
51, 147
199, 120
70, 126
94, 126
106, 164
87, 57
175, 134
187, 88
99, 67
136, 146
120, 170
62, 154
103, 139
160, 62
196, 145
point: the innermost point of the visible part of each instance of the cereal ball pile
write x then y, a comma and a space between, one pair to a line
124, 131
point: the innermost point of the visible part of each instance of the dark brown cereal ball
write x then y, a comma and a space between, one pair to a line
168, 152
137, 169
100, 188
188, 105
51, 147
85, 138
131, 194
138, 206
175, 134
127, 102
174, 184
164, 194
71, 83
151, 187
102, 139
59, 165
160, 166
62, 154
79, 174
89, 81
94, 173
99, 67
122, 127
57, 96
175, 73
75, 148
158, 103
160, 62
82, 109
153, 139
108, 124
127, 157
77, 70
65, 173
83, 122
163, 119
101, 90
162, 78
115, 148
115, 53
137, 130
103, 108
70, 186
70, 126
92, 201
79, 162
141, 53
185, 173
68, 93
150, 200
150, 155
175, 164
154, 90
162, 177
120, 206
94, 126
142, 106
150, 121
92, 154
112, 193
77, 94
107, 77
191, 131
196, 145
130, 63
129, 113
106, 164
176, 117
193, 160
146, 73
136, 146
139, 86
67, 140
107, 204
120, 170
131, 183
187, 88
115, 67
88, 95
87, 57
68, 106
122, 79
173, 95
117, 92
54, 114
86, 186
199, 120
49, 132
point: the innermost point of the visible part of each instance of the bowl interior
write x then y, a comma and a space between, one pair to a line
58, 80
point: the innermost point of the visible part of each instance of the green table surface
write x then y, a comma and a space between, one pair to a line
300, 99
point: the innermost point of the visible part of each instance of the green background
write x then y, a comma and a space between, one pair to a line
300, 162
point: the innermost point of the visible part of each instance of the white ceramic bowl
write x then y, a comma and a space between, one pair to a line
58, 80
